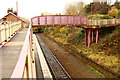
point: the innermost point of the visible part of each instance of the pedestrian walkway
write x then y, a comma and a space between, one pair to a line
10, 53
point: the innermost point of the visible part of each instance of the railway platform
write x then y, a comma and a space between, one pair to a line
10, 52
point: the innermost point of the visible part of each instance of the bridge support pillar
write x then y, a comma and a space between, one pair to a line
86, 39
92, 35
89, 37
97, 35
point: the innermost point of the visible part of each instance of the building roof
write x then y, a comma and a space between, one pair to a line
14, 16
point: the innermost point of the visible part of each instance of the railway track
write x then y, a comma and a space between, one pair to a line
58, 72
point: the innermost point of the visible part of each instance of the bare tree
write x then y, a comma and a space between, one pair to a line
106, 1
75, 9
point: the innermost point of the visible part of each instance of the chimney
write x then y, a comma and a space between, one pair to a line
17, 7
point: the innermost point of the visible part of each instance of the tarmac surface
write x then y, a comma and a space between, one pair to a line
9, 53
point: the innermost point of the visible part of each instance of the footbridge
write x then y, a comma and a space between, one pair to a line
90, 25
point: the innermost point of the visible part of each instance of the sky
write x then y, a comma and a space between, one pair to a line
31, 8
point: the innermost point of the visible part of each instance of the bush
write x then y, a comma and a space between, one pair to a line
99, 16
113, 12
103, 31
119, 14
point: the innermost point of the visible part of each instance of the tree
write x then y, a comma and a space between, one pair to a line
87, 8
117, 5
42, 14
119, 13
75, 9
97, 7
100, 8
113, 12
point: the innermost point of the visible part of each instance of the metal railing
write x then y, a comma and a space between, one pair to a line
62, 20
25, 65
59, 20
8, 29
101, 22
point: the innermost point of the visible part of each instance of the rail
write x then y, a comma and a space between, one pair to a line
7, 30
24, 67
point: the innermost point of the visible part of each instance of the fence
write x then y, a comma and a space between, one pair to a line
26, 65
8, 29
101, 22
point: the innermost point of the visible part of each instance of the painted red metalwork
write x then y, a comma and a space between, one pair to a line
62, 20
82, 21
97, 35
59, 20
89, 37
92, 35
38, 21
86, 38
53, 20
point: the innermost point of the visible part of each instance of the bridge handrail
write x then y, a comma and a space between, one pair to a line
62, 20
101, 22
59, 20
8, 29
26, 49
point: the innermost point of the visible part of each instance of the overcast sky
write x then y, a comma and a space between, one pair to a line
31, 8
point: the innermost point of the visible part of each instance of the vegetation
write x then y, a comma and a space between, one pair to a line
119, 14
99, 16
97, 8
75, 9
113, 12
117, 5
106, 52
87, 8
